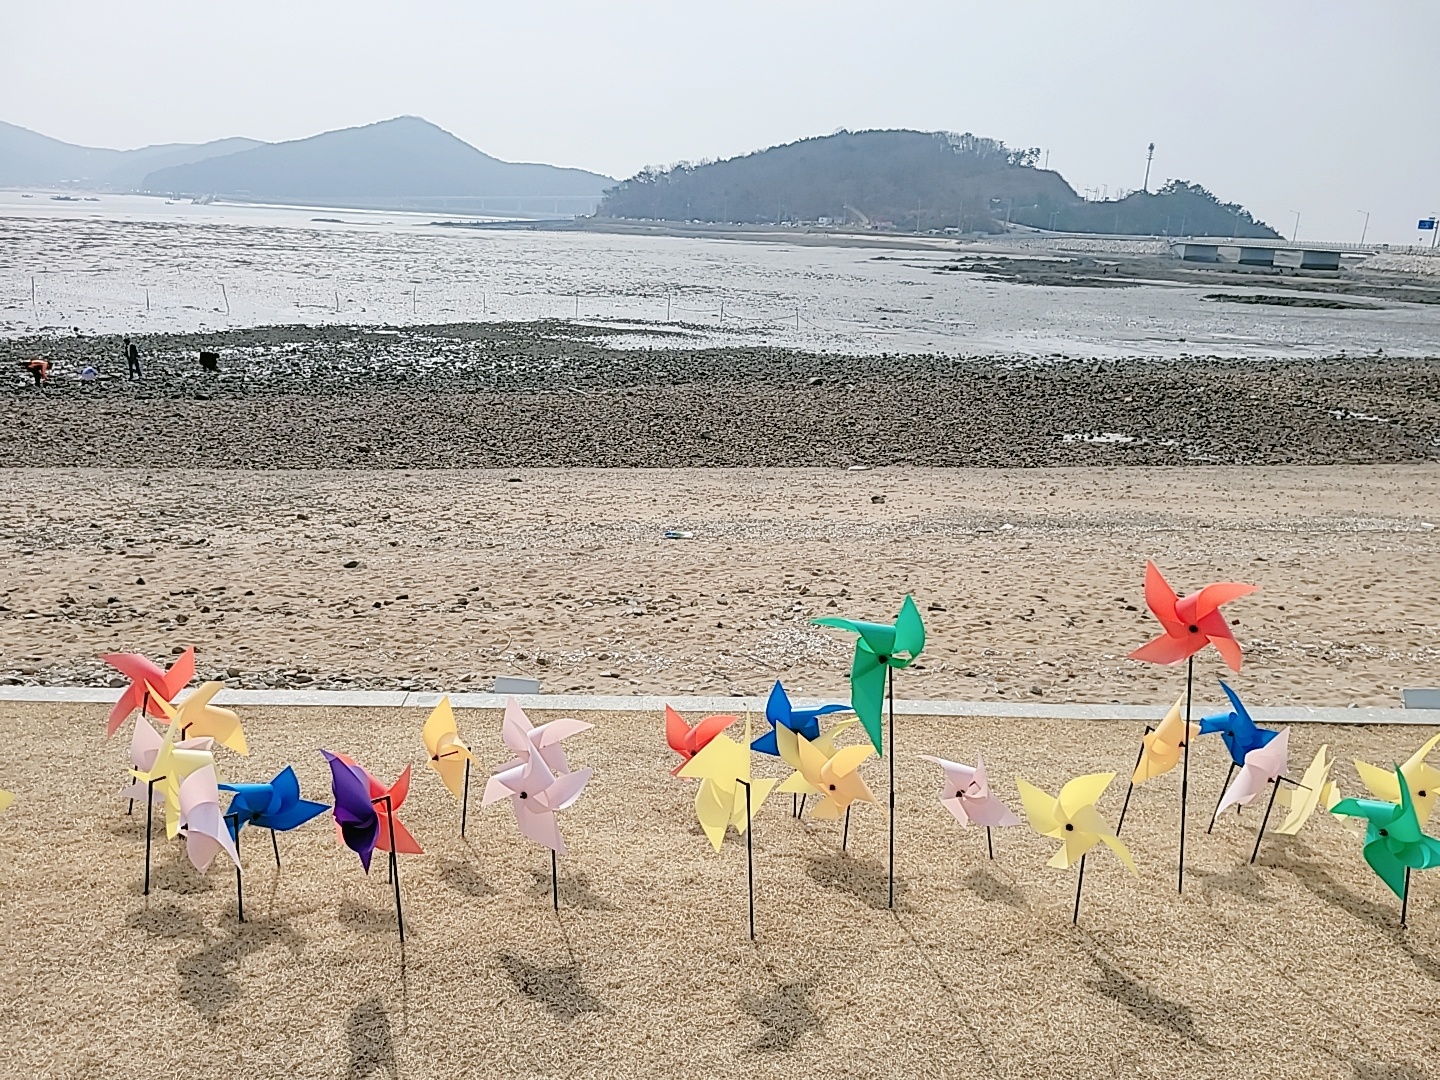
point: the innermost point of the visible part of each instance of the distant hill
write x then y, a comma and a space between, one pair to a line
29, 159
913, 181
404, 158
887, 178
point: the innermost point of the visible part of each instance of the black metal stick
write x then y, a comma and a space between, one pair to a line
845, 836
149, 815
465, 799
749, 855
1185, 772
1274, 790
794, 804
1075, 919
802, 805
1405, 898
890, 689
394, 865
989, 842
555, 879
276, 845
239, 885
1218, 801
1129, 790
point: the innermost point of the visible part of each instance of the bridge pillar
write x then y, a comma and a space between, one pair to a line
1205, 253
1319, 260
1257, 256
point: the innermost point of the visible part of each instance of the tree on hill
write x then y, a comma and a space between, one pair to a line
1180, 208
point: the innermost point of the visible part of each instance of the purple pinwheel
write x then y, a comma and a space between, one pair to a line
354, 812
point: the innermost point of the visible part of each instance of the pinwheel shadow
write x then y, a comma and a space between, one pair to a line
991, 889
1244, 880
575, 891
1145, 1004
560, 989
867, 880
1385, 917
365, 919
171, 872
167, 921
464, 878
207, 981
784, 1016
372, 1049
1379, 1070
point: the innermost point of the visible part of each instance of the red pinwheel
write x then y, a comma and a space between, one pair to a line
1190, 622
687, 741
140, 672
386, 801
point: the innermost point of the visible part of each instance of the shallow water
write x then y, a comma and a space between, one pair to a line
127, 264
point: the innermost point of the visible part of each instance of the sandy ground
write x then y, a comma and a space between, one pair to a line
1031, 580
1295, 967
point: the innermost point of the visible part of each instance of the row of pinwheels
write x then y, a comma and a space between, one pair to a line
729, 795
178, 773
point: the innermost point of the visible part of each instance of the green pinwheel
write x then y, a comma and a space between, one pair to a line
1394, 841
879, 649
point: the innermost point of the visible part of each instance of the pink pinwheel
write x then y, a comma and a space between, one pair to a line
142, 673
966, 794
519, 735
536, 792
1190, 622
1263, 765
201, 823
145, 744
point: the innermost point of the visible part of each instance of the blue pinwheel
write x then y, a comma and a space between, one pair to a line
1240, 734
804, 722
276, 806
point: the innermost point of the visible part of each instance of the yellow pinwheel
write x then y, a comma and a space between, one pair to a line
196, 718
1072, 817
1422, 778
1162, 747
723, 767
787, 742
449, 756
832, 774
174, 761
1316, 789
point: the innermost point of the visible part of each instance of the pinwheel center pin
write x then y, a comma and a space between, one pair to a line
524, 794
1384, 832
1069, 827
832, 787
1194, 629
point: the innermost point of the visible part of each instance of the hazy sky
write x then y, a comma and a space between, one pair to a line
1326, 107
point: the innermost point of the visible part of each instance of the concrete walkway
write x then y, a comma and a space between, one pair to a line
575, 703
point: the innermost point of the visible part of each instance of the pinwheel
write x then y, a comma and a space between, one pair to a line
144, 746
537, 792
1395, 844
1422, 777
365, 813
519, 735
1072, 817
787, 746
205, 830
196, 717
142, 673
1189, 624
1314, 790
449, 757
276, 806
174, 760
723, 768
1263, 765
880, 650
780, 713
1240, 735
1161, 748
832, 774
966, 794
686, 740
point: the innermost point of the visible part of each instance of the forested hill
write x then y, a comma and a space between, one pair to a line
912, 181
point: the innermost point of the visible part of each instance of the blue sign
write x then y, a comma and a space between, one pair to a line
1427, 223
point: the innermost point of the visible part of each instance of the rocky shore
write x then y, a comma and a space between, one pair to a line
563, 394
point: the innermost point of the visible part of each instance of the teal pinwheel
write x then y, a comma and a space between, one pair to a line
880, 649
1394, 841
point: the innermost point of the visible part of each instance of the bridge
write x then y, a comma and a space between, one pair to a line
1313, 254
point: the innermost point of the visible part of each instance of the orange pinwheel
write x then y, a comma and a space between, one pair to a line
142, 672
687, 741
1190, 622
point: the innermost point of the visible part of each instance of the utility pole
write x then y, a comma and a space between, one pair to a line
1047, 158
1149, 157
1296, 231
1366, 228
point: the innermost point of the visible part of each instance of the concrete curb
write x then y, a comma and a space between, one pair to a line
575, 703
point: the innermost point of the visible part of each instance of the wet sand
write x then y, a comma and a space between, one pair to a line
1295, 966
1030, 580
